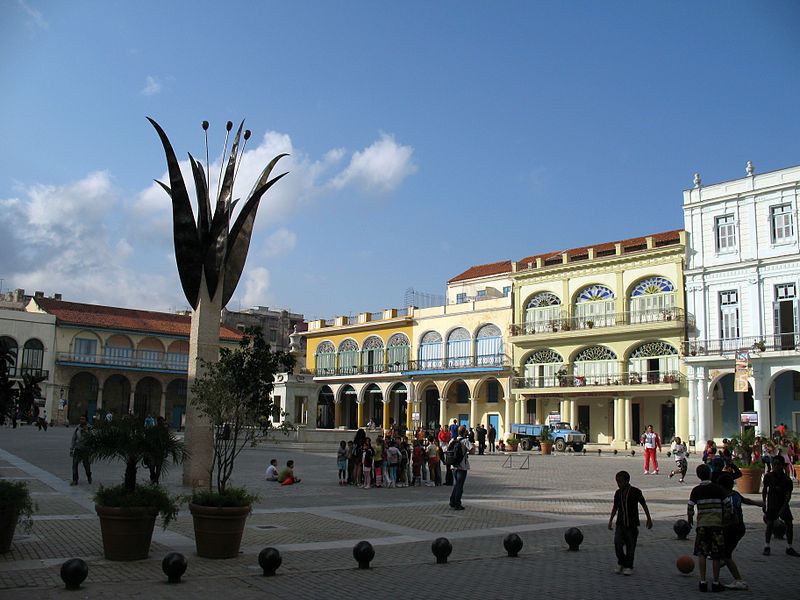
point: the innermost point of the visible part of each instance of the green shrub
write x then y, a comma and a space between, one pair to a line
149, 495
230, 497
15, 496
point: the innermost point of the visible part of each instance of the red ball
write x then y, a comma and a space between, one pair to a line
685, 564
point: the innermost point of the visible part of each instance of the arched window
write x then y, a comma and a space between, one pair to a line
398, 352
430, 351
489, 346
543, 313
542, 368
372, 355
9, 347
654, 362
348, 357
325, 409
596, 365
652, 299
325, 358
32, 357
459, 350
595, 306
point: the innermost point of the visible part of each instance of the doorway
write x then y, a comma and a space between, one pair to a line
636, 422
667, 423
584, 425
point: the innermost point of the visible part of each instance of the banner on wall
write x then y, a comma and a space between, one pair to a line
741, 372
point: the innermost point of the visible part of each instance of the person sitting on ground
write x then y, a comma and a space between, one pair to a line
286, 476
272, 470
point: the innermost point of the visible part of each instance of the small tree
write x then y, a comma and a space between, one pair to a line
28, 391
742, 445
234, 394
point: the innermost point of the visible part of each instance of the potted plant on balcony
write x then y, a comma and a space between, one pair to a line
546, 440
590, 324
561, 376
742, 446
128, 511
760, 346
16, 506
234, 395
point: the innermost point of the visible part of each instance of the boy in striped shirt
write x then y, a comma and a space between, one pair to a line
709, 537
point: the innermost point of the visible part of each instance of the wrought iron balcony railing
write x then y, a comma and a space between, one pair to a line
780, 342
18, 372
630, 318
169, 361
430, 364
628, 378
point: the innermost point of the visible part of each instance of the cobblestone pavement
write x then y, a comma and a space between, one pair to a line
316, 524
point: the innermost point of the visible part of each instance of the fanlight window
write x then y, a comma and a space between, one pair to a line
459, 348
652, 299
431, 351
542, 367
595, 303
596, 365
348, 357
372, 355
653, 362
489, 346
542, 312
326, 358
398, 352
32, 356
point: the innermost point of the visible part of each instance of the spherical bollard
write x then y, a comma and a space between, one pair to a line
599, 451
633, 452
669, 453
779, 529
269, 559
441, 548
584, 451
74, 572
363, 552
174, 565
573, 537
513, 544
615, 452
681, 528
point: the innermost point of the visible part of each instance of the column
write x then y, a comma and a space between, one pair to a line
132, 398
507, 421
540, 411
761, 402
411, 396
563, 408
385, 423
443, 411
573, 413
99, 402
628, 423
702, 410
473, 412
692, 408
361, 422
619, 405
162, 409
337, 414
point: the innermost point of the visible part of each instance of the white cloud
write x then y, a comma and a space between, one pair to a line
380, 168
256, 287
280, 242
152, 86
34, 14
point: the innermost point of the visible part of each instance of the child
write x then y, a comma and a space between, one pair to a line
286, 476
709, 538
626, 501
341, 462
416, 463
272, 470
733, 527
366, 461
681, 464
776, 495
377, 461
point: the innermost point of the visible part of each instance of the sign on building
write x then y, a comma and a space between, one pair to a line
742, 371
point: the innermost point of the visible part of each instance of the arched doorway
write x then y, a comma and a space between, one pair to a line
731, 404
147, 399
82, 397
398, 396
116, 395
325, 409
175, 406
374, 400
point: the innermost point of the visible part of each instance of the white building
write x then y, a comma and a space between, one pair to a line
742, 277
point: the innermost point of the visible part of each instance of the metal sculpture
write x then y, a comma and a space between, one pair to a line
207, 247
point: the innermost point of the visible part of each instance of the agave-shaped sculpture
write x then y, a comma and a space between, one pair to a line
208, 246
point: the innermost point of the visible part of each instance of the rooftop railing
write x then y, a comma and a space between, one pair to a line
629, 318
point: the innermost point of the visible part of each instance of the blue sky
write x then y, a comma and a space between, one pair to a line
425, 137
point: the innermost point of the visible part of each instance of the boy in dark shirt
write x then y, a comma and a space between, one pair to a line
626, 507
709, 538
776, 495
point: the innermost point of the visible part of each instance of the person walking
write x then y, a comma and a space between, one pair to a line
481, 439
461, 468
492, 435
626, 508
776, 494
650, 441
709, 537
76, 450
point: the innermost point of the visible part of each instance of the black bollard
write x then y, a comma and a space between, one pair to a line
615, 452
363, 552
681, 528
779, 529
573, 537
599, 451
74, 572
633, 452
269, 559
441, 548
513, 544
174, 565
669, 453
584, 451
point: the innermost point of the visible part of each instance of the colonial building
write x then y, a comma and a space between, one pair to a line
742, 278
276, 325
596, 336
119, 359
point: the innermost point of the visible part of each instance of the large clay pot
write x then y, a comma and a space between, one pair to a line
127, 532
750, 481
512, 446
547, 447
8, 524
218, 530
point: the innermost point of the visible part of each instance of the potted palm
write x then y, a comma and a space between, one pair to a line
512, 443
128, 511
546, 440
16, 507
742, 446
233, 394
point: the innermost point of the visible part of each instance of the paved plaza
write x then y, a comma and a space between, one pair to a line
316, 524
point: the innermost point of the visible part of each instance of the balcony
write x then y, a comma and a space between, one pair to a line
577, 383
18, 372
755, 345
471, 363
146, 360
674, 317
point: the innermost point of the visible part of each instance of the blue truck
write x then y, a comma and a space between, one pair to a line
562, 433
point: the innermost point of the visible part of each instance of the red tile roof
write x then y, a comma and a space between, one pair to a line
666, 238
111, 317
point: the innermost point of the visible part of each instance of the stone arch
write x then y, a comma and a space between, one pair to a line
175, 403
326, 411
150, 353
119, 350
116, 394
372, 398
82, 399
147, 397
348, 401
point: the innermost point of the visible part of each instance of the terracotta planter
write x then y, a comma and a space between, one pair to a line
797, 471
547, 447
512, 446
750, 481
218, 530
126, 531
8, 524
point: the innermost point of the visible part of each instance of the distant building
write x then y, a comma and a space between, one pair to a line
276, 325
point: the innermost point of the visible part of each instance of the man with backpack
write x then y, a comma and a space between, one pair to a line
457, 457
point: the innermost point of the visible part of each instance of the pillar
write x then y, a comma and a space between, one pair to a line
507, 421
628, 423
473, 412
443, 411
162, 409
337, 414
619, 438
702, 410
131, 399
361, 422
563, 408
99, 401
385, 423
692, 410
539, 411
573, 413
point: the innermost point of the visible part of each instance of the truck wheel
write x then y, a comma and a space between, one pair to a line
560, 445
577, 447
526, 443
